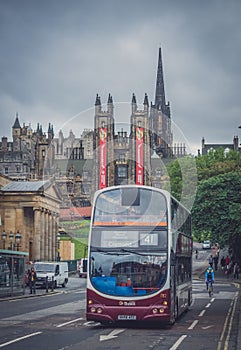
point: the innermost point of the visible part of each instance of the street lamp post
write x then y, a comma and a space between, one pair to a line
18, 238
11, 236
4, 237
58, 246
14, 241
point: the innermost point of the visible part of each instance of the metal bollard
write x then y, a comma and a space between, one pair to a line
52, 283
46, 284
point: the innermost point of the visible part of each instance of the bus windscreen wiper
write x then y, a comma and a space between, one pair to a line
114, 252
133, 252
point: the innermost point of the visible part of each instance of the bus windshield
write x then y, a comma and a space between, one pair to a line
124, 272
130, 205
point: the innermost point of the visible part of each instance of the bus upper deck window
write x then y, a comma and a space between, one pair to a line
130, 197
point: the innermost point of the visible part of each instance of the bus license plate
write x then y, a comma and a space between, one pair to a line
126, 317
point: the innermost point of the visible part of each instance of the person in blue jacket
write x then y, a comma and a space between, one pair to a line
209, 276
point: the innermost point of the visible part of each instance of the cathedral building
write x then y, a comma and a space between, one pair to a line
99, 157
28, 154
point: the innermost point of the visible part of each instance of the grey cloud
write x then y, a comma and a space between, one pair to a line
56, 55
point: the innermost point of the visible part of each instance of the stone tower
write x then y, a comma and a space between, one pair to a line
16, 135
103, 145
140, 151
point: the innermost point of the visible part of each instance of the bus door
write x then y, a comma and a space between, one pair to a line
173, 300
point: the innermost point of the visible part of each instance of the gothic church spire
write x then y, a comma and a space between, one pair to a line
160, 100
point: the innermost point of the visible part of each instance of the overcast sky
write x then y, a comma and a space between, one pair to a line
56, 55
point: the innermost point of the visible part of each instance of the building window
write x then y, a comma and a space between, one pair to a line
85, 175
6, 170
158, 173
122, 171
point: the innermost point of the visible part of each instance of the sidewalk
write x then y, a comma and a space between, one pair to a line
39, 292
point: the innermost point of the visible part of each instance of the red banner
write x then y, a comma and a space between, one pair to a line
139, 156
103, 156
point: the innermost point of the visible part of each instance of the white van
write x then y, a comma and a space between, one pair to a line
82, 267
57, 272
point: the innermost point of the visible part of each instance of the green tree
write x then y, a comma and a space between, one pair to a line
217, 162
183, 180
217, 209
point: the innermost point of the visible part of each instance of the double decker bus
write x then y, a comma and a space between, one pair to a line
140, 256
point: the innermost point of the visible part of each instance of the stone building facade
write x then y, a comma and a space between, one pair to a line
31, 209
206, 147
29, 154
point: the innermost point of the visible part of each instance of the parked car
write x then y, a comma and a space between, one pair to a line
206, 245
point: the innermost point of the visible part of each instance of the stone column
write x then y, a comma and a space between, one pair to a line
42, 241
50, 237
46, 236
37, 234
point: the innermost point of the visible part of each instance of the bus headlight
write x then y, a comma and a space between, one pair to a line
165, 303
161, 310
99, 310
93, 309
154, 311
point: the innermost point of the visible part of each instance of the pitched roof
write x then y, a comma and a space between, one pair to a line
75, 212
16, 123
25, 186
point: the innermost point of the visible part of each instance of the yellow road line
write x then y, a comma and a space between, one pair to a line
229, 316
231, 322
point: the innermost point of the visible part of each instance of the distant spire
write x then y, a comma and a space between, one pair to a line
16, 124
133, 98
49, 129
109, 99
97, 101
160, 100
110, 106
146, 102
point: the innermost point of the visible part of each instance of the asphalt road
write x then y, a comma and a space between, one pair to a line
56, 321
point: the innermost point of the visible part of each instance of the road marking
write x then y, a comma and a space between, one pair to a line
178, 342
64, 324
80, 292
208, 305
92, 324
231, 322
202, 313
230, 311
207, 327
111, 335
19, 339
193, 324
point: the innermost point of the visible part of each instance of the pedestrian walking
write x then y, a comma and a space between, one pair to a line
32, 280
196, 254
236, 270
229, 269
227, 261
215, 260
223, 263
210, 261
